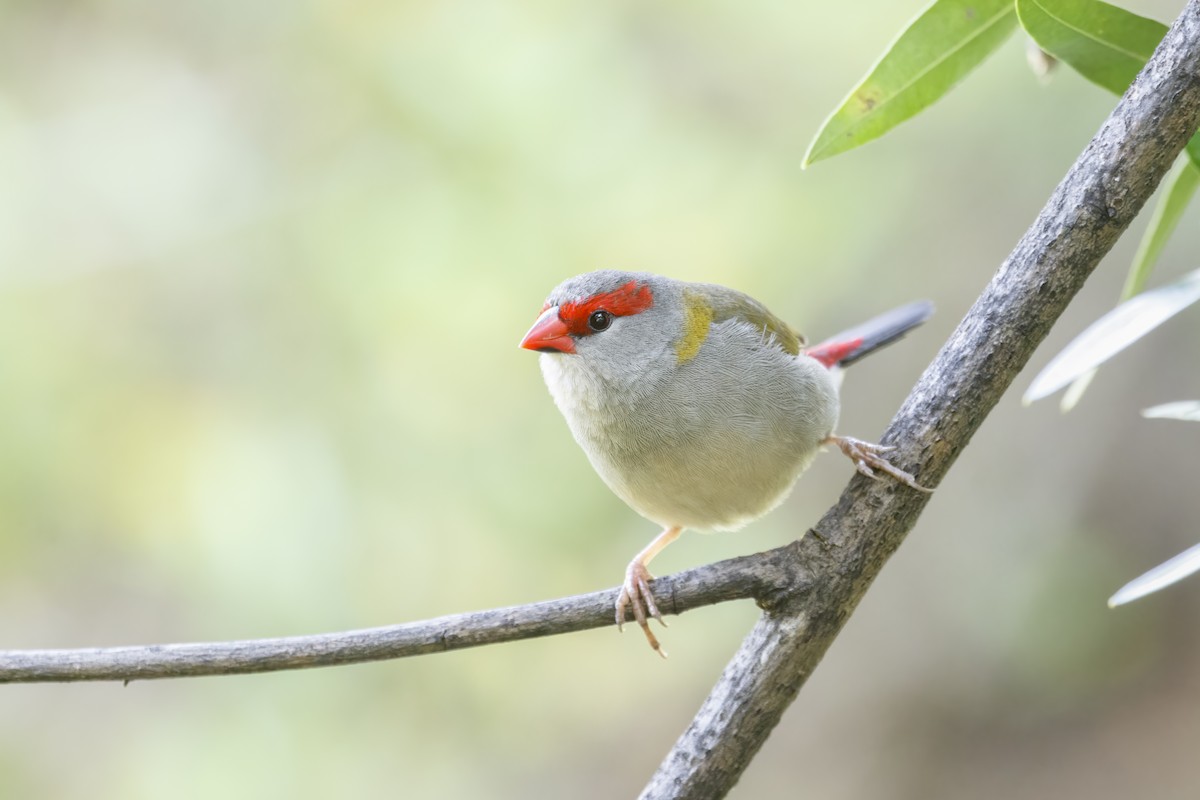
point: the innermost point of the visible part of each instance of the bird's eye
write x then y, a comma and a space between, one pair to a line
600, 320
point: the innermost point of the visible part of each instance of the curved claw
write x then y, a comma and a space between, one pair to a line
868, 457
636, 596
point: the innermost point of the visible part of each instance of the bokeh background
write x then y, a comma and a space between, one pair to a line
263, 269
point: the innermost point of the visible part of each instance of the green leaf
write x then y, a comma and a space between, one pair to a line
1181, 184
1103, 43
937, 49
1113, 332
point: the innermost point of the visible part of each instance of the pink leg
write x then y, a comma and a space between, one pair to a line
635, 592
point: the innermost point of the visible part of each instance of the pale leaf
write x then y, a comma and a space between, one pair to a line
1162, 576
1187, 410
1113, 332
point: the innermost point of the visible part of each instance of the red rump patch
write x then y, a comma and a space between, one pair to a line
624, 301
830, 353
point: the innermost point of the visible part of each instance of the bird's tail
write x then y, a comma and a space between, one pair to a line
849, 346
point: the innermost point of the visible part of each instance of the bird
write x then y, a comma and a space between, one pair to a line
696, 405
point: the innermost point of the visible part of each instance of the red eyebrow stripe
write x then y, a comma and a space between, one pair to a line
624, 301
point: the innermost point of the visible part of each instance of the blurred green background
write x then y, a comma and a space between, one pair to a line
263, 269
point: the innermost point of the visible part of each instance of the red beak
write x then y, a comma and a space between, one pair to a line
549, 334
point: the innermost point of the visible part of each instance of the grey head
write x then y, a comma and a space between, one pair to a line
614, 325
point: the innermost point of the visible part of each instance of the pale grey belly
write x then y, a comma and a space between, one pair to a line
714, 457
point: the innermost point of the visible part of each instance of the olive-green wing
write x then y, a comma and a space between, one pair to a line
727, 304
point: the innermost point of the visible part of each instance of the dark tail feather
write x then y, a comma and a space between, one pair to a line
849, 346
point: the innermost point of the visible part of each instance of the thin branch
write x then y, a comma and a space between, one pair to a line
759, 576
1089, 210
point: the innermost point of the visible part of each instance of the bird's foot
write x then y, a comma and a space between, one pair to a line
868, 457
636, 595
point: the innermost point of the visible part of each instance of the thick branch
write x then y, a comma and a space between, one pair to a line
1089, 210
760, 576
